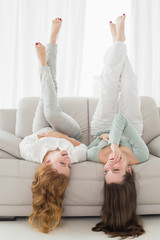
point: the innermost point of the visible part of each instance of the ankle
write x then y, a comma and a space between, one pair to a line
43, 63
120, 38
53, 40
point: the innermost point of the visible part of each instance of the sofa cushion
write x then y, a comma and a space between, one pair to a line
86, 179
10, 143
92, 103
154, 146
24, 117
76, 107
8, 120
4, 154
147, 181
86, 182
151, 119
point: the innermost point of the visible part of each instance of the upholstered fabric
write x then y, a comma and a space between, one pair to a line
85, 187
154, 146
76, 108
10, 143
4, 154
151, 120
8, 120
84, 194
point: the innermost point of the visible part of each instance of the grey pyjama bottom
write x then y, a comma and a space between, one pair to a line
48, 112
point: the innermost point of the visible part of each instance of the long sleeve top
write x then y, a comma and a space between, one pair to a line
34, 149
122, 133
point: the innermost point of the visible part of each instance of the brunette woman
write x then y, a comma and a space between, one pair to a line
117, 128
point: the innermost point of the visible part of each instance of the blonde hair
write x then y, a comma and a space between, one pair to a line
48, 192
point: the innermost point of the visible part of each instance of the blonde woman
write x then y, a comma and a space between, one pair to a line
54, 143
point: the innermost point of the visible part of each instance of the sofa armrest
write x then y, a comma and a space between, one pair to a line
10, 143
8, 120
154, 146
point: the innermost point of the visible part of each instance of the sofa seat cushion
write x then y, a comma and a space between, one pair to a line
86, 182
148, 169
16, 177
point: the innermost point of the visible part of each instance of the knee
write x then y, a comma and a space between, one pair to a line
52, 116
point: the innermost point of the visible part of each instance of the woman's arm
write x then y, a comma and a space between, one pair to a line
122, 125
57, 134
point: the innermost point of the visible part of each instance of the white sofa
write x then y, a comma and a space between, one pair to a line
84, 194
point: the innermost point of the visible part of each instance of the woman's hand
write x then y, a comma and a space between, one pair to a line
117, 153
55, 134
104, 136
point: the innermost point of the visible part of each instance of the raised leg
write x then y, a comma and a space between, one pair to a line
108, 103
51, 109
49, 59
57, 119
114, 61
130, 104
52, 49
40, 121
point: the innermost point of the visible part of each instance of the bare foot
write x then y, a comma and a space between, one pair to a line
120, 22
56, 25
113, 30
41, 54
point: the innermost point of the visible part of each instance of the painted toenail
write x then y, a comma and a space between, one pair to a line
37, 43
110, 22
124, 14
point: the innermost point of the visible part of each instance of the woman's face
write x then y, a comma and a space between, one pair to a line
115, 171
59, 160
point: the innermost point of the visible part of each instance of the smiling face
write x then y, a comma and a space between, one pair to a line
59, 160
115, 171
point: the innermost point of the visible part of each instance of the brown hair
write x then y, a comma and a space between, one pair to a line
48, 192
118, 212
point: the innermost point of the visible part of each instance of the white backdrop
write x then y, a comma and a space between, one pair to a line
98, 39
145, 46
24, 22
83, 39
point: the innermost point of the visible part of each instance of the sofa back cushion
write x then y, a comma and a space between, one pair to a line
76, 107
82, 110
151, 119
